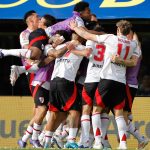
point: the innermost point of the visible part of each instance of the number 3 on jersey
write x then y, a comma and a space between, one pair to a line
100, 52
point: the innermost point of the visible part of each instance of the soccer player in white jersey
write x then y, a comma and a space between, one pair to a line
63, 95
90, 85
111, 89
131, 89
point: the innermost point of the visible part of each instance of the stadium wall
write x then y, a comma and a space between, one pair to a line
15, 113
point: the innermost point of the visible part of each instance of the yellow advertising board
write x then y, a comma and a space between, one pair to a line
15, 113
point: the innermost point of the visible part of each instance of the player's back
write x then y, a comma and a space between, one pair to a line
67, 65
95, 61
116, 45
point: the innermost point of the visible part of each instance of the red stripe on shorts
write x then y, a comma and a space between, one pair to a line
86, 97
71, 100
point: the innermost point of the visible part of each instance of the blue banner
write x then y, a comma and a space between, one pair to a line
62, 9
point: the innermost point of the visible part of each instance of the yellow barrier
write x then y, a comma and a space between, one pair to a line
15, 113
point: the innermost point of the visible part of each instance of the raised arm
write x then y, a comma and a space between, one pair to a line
82, 32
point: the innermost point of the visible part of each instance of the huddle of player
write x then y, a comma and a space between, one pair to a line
52, 53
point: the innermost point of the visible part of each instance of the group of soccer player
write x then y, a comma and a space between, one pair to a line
52, 53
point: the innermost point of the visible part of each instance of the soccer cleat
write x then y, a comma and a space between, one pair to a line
22, 144
36, 144
14, 74
98, 145
122, 147
85, 144
1, 54
143, 143
56, 140
71, 145
82, 146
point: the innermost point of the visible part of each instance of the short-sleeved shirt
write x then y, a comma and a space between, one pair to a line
116, 45
95, 61
24, 37
67, 65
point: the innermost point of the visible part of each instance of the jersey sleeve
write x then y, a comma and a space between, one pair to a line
79, 22
105, 38
24, 39
48, 48
137, 51
48, 31
89, 44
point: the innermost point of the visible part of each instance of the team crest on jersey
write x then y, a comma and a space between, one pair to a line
41, 99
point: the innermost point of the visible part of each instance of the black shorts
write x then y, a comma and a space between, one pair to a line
40, 95
110, 94
130, 94
63, 95
88, 93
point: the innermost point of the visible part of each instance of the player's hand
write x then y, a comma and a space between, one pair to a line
70, 46
72, 24
57, 40
87, 52
116, 58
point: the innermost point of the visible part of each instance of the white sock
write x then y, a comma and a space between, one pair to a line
29, 68
64, 133
59, 129
104, 124
27, 134
26, 53
122, 128
72, 134
132, 130
85, 127
96, 123
36, 131
81, 141
41, 136
48, 137
91, 139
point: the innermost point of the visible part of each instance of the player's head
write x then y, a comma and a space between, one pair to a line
130, 35
83, 9
123, 27
93, 17
93, 25
65, 35
38, 38
31, 18
46, 21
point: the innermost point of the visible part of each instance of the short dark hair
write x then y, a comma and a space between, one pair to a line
124, 26
65, 34
81, 6
93, 15
93, 25
27, 14
50, 20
